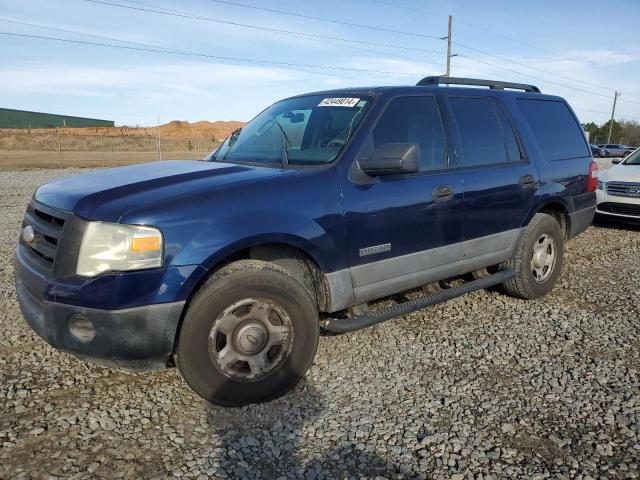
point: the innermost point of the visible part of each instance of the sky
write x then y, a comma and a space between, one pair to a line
231, 63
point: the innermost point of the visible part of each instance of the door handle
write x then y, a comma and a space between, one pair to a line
442, 193
527, 181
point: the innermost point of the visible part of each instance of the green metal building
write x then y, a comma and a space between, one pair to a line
22, 119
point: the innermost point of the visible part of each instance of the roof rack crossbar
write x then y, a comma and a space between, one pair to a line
492, 84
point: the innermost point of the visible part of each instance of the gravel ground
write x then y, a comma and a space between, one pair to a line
482, 387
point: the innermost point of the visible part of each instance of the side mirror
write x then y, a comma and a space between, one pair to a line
615, 161
392, 159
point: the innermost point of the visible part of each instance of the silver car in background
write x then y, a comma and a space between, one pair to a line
618, 190
617, 149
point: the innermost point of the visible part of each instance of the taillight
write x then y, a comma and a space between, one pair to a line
592, 180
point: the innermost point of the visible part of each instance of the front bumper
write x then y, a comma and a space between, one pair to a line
617, 207
138, 338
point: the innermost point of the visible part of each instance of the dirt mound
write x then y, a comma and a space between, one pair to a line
218, 130
176, 129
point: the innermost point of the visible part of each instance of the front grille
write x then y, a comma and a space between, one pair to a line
620, 208
48, 225
623, 189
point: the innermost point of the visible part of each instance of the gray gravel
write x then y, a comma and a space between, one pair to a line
482, 387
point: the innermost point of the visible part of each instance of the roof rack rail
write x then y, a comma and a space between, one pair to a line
492, 84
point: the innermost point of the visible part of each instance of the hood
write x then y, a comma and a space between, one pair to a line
621, 173
108, 194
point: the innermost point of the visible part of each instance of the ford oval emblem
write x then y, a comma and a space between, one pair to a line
28, 235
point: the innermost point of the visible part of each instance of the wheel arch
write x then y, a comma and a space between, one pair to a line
288, 253
558, 208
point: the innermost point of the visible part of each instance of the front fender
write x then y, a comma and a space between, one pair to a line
302, 209
228, 236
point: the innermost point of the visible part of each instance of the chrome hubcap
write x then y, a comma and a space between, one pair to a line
250, 339
543, 259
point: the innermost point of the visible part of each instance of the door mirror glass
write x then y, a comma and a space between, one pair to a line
392, 159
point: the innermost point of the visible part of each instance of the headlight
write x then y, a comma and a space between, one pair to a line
116, 247
600, 185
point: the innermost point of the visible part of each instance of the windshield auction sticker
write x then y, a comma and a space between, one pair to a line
339, 102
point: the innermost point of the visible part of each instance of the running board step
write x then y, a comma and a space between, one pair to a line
341, 325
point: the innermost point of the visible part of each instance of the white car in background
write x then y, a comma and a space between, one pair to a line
618, 192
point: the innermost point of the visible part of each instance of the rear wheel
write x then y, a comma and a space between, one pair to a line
537, 259
249, 335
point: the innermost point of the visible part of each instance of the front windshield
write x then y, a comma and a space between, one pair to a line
633, 159
308, 130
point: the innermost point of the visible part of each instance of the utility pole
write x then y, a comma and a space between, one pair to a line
449, 48
613, 112
449, 54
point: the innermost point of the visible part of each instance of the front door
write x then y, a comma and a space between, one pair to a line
404, 230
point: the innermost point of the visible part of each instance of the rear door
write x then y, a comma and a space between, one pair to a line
498, 182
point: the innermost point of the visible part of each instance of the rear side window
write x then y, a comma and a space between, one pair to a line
414, 120
480, 132
558, 133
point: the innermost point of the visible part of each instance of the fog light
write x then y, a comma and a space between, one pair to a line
81, 328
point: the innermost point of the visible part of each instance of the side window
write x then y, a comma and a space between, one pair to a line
480, 132
414, 120
559, 135
513, 147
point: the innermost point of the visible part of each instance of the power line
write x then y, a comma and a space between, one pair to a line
159, 49
73, 32
186, 15
283, 12
500, 34
558, 56
622, 115
324, 19
533, 76
484, 52
541, 78
306, 36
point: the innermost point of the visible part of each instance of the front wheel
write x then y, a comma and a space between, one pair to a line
537, 259
249, 334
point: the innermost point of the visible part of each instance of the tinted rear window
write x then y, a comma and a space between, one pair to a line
558, 133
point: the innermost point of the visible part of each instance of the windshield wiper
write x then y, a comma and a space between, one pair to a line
285, 142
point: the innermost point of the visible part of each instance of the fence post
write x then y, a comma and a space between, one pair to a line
59, 147
104, 163
159, 146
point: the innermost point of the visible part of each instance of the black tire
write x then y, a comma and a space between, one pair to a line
524, 284
237, 281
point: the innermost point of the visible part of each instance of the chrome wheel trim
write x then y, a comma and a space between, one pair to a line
543, 258
250, 339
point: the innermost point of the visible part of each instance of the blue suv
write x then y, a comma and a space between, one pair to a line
300, 221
